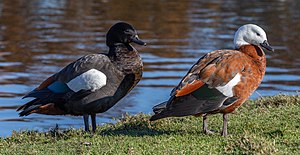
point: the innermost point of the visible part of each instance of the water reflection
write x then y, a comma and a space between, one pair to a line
38, 38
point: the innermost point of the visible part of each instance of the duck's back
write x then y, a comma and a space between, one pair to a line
219, 67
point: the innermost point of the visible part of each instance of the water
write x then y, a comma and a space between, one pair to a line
38, 38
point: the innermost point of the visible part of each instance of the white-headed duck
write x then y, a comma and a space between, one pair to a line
220, 81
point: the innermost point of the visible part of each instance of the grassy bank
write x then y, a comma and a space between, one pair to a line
266, 126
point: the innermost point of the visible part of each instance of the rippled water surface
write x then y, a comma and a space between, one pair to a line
38, 38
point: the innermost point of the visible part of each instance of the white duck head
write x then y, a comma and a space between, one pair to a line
251, 34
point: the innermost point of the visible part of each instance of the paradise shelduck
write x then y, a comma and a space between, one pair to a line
92, 84
221, 80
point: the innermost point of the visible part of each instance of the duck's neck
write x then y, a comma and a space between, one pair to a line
126, 58
257, 54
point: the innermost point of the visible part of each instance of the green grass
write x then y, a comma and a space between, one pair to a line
266, 126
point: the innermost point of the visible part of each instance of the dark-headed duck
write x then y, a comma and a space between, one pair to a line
221, 80
92, 84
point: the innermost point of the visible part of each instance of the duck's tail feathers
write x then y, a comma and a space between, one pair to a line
29, 107
29, 110
24, 106
35, 104
158, 116
158, 109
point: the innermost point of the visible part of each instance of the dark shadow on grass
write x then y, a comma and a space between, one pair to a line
140, 125
134, 130
136, 126
139, 131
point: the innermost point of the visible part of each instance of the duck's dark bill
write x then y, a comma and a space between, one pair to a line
138, 41
266, 45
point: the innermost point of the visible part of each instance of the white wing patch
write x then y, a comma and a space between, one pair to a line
92, 80
227, 89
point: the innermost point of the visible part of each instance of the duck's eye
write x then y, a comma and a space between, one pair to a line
257, 34
128, 32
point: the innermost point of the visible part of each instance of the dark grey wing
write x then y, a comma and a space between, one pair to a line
83, 101
194, 103
56, 89
99, 62
59, 82
92, 61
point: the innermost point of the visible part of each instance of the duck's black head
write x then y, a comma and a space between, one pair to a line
122, 33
